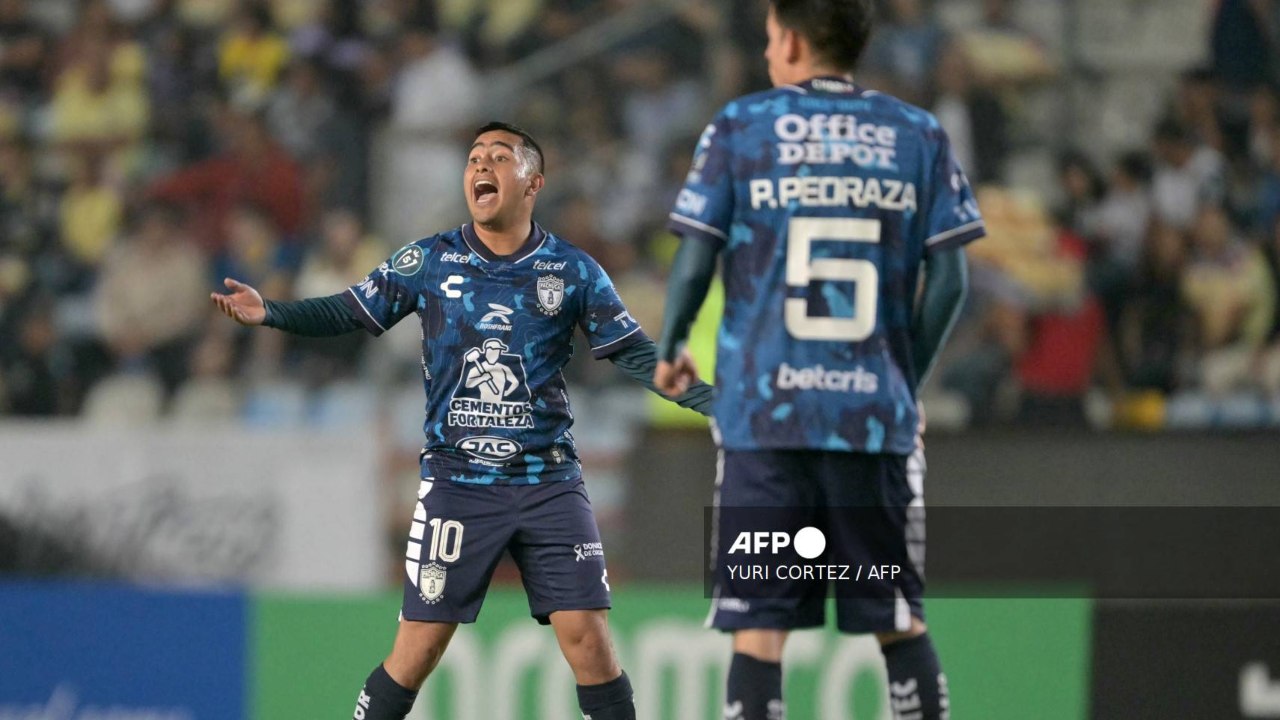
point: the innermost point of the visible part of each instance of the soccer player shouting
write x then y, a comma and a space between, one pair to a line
825, 199
498, 299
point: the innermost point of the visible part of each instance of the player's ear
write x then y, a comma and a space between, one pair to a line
536, 184
792, 45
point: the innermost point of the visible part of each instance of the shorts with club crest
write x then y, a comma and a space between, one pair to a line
460, 531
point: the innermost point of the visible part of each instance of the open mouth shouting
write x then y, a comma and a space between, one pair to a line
485, 192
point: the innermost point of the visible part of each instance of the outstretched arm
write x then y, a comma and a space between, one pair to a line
946, 283
313, 317
640, 360
691, 274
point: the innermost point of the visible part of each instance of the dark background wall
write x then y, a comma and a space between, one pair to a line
672, 478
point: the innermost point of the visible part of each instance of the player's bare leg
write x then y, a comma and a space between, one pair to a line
604, 691
917, 685
754, 686
389, 692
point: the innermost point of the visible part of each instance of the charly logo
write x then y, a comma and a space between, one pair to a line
431, 583
489, 449
492, 390
550, 293
408, 261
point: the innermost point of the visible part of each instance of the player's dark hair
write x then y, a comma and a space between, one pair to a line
525, 138
837, 30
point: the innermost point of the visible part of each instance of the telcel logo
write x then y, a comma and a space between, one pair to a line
490, 448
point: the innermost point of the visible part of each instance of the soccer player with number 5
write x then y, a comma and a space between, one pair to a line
827, 201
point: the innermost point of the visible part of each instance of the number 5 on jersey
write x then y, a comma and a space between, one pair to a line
803, 269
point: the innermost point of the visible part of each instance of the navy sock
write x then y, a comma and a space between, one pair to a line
917, 687
382, 698
607, 701
754, 690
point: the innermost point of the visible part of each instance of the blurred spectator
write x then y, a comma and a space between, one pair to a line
1116, 228
1154, 326
1119, 223
1082, 187
251, 55
1232, 294
298, 112
433, 107
972, 116
1196, 105
91, 213
95, 107
253, 169
26, 220
210, 396
1057, 367
254, 253
23, 51
28, 383
1187, 175
904, 49
153, 296
1242, 52
343, 256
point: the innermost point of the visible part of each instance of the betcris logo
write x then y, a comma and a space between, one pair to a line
858, 380
489, 448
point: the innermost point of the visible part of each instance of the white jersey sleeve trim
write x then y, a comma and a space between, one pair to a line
700, 226
615, 342
366, 310
947, 234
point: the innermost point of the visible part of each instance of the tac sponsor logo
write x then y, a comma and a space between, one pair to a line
367, 288
408, 261
489, 449
431, 580
498, 318
456, 257
834, 139
587, 550
550, 293
858, 380
548, 265
492, 390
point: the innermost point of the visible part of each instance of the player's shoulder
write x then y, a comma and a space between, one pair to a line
894, 110
443, 246
559, 253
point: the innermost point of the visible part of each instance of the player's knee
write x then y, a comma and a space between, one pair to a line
590, 654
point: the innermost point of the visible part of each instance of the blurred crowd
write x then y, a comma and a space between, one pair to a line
150, 148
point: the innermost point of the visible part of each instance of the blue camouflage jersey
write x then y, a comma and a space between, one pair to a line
824, 198
496, 333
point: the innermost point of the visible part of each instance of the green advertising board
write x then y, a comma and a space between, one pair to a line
1004, 658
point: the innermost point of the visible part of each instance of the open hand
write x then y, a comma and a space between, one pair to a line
243, 304
674, 378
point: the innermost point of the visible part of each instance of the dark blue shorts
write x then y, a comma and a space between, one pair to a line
460, 531
819, 488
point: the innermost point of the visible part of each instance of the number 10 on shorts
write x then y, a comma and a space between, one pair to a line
446, 540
